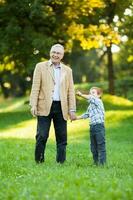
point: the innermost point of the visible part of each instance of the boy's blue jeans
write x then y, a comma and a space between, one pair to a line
97, 139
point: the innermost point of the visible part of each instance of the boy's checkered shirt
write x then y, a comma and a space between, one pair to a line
95, 111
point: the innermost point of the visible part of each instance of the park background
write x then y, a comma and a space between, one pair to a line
98, 40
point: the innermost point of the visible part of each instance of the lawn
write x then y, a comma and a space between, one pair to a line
77, 179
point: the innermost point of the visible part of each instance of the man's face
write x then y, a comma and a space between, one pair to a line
94, 92
56, 54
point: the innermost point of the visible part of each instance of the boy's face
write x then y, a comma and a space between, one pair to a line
94, 93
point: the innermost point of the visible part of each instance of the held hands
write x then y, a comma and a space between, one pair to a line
34, 111
72, 116
76, 118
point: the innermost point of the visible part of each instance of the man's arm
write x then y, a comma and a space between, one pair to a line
71, 97
35, 90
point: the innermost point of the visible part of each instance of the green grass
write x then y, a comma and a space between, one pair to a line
77, 179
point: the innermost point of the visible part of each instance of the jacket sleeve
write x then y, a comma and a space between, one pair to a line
71, 93
35, 86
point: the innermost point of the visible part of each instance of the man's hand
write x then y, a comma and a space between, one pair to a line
74, 119
34, 111
72, 115
78, 93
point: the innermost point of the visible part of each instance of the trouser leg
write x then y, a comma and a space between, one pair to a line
60, 126
93, 146
43, 126
100, 137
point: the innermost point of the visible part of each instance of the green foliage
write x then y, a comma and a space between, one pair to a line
86, 65
28, 29
123, 87
99, 29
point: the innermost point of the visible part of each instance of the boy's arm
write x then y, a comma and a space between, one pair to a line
78, 117
84, 116
89, 97
85, 96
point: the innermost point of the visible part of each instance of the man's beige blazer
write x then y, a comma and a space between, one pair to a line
43, 88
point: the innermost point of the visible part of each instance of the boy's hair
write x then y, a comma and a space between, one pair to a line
99, 90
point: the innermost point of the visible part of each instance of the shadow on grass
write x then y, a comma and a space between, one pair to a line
9, 119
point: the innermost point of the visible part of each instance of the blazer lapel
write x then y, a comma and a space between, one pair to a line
62, 73
50, 71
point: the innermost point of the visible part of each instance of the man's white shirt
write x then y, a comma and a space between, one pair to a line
57, 76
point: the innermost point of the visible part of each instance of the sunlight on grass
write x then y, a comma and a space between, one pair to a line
24, 129
12, 107
22, 125
27, 129
10, 104
76, 129
115, 100
115, 117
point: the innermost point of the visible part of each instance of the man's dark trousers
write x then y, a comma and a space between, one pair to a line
43, 127
97, 138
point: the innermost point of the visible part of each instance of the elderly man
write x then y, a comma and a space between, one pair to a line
52, 98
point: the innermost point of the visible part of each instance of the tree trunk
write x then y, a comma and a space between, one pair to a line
110, 71
4, 90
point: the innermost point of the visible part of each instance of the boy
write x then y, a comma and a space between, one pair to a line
95, 112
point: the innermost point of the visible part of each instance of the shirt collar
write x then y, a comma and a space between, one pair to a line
56, 66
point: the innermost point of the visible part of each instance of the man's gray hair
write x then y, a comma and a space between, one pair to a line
58, 45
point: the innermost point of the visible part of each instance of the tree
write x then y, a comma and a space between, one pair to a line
94, 26
125, 57
27, 30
